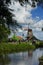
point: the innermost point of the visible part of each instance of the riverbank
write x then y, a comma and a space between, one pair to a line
6, 48
41, 60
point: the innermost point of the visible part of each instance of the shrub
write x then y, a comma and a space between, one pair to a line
11, 48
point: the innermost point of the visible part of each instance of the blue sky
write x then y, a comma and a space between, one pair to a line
32, 16
37, 13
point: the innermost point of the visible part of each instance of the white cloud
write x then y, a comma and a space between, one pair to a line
37, 17
19, 30
39, 24
38, 34
23, 15
21, 12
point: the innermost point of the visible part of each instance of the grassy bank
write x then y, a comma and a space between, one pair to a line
11, 48
41, 60
39, 44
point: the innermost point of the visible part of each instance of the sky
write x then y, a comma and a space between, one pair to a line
29, 15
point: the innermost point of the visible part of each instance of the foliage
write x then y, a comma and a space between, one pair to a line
39, 44
3, 33
39, 2
11, 48
41, 58
6, 19
16, 38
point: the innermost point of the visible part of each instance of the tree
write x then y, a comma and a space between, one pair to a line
39, 2
4, 31
5, 19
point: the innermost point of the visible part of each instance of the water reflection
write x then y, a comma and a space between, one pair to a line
30, 53
4, 59
22, 58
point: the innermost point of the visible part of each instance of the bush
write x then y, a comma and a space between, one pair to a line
11, 48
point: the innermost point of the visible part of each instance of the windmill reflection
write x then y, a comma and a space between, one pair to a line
30, 53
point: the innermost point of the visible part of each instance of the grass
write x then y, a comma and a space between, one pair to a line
6, 48
39, 44
41, 58
11, 48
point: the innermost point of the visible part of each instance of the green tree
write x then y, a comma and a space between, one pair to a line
5, 19
4, 31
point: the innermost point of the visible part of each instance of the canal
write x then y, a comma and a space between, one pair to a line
22, 58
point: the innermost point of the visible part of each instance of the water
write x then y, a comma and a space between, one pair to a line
22, 58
